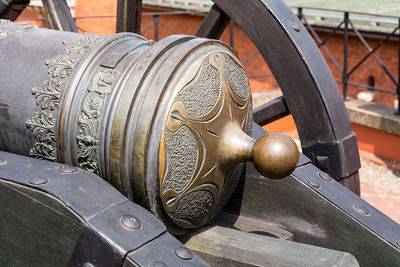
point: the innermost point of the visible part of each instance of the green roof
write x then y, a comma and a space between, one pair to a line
384, 7
361, 21
192, 5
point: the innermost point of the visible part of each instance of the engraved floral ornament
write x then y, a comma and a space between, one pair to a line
210, 132
48, 94
88, 139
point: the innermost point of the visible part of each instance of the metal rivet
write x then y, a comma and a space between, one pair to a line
325, 177
66, 169
157, 264
37, 180
295, 26
131, 222
2, 162
313, 183
87, 264
184, 253
361, 209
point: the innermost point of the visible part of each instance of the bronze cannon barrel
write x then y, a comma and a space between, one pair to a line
166, 123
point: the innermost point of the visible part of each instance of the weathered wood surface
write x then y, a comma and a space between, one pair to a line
10, 9
59, 15
129, 15
35, 228
220, 246
250, 225
214, 24
311, 217
271, 111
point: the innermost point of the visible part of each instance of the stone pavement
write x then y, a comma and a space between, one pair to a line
380, 187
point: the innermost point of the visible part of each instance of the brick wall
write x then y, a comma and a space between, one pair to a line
388, 53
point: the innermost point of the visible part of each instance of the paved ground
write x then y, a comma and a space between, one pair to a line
380, 186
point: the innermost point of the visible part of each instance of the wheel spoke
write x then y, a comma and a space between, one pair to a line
214, 24
271, 111
11, 9
129, 16
59, 15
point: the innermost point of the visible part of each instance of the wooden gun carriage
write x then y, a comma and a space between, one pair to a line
96, 129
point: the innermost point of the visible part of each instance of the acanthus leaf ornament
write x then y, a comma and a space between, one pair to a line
48, 94
41, 125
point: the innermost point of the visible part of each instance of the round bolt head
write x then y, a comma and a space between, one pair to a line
37, 180
87, 264
131, 222
157, 264
361, 209
295, 26
325, 177
184, 253
3, 162
66, 169
313, 183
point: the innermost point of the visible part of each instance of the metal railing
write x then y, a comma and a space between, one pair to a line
346, 26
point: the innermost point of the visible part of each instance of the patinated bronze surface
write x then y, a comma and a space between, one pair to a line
206, 138
166, 123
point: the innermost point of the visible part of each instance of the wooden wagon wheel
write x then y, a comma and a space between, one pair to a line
310, 92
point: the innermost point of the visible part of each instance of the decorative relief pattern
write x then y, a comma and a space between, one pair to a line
7, 27
193, 132
42, 126
88, 137
182, 158
201, 95
195, 205
47, 95
237, 78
